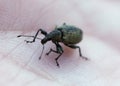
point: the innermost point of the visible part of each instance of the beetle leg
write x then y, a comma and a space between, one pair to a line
51, 50
56, 59
34, 37
58, 50
75, 47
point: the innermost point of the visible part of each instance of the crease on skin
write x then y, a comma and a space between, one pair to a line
45, 75
25, 66
42, 73
12, 50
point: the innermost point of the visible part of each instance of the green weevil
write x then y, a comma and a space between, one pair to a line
67, 34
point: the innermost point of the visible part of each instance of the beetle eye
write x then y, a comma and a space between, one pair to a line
43, 41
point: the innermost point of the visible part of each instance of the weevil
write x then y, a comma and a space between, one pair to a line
67, 34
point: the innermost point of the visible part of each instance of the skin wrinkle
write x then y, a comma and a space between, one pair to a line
7, 55
26, 66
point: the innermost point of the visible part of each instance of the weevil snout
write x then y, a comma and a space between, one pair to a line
44, 40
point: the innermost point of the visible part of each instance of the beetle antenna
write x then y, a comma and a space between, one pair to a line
41, 53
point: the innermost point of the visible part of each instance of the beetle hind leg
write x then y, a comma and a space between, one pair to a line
77, 47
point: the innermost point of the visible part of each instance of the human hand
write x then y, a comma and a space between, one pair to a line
19, 61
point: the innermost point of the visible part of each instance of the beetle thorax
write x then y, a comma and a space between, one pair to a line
54, 36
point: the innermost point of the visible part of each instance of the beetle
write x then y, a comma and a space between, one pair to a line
69, 35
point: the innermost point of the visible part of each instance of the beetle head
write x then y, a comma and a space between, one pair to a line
43, 41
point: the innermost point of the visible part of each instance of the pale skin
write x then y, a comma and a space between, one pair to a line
20, 64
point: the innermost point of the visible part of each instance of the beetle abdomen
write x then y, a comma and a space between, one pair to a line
71, 35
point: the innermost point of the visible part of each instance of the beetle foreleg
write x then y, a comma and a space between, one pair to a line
51, 50
34, 37
28, 36
75, 47
42, 31
56, 59
58, 50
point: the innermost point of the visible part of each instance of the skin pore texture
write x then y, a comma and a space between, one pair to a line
19, 61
